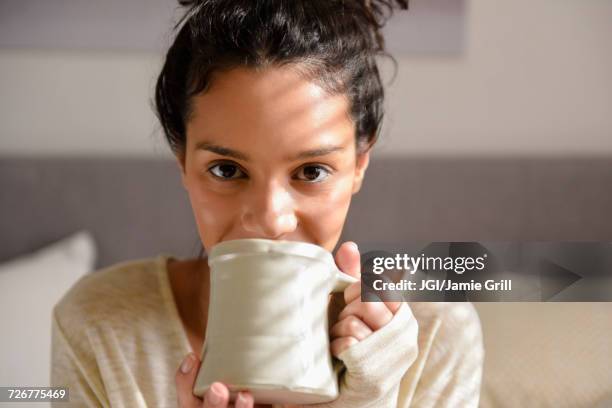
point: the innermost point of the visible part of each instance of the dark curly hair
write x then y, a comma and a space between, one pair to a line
332, 42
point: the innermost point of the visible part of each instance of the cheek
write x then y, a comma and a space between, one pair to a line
325, 215
213, 213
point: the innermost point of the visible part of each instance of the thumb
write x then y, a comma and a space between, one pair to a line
348, 259
184, 379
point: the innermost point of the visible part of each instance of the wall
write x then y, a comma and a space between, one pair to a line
533, 79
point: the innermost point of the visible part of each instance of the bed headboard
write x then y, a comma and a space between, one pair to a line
138, 208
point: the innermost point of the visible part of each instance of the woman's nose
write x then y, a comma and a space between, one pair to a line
269, 213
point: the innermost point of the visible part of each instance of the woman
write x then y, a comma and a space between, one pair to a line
271, 109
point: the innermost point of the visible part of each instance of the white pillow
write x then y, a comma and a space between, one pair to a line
29, 288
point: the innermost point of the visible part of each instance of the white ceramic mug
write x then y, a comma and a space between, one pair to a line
267, 329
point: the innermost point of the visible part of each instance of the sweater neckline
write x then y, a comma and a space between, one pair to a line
170, 302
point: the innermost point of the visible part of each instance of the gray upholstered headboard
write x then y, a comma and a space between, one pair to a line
137, 207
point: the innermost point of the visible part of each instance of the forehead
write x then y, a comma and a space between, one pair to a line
275, 105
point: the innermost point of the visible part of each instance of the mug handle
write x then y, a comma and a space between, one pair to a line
342, 281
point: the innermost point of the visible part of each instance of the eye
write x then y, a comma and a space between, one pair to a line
226, 171
313, 173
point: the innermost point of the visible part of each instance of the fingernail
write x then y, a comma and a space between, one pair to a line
214, 396
187, 364
241, 401
354, 245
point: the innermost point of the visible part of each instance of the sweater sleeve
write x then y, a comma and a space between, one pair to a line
375, 366
453, 357
71, 368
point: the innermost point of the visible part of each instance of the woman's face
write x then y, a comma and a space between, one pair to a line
270, 155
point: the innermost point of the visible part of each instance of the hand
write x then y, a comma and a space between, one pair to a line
357, 320
217, 396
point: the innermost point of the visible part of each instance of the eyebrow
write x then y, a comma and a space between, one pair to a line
226, 151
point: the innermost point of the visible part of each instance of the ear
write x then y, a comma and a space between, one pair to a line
363, 160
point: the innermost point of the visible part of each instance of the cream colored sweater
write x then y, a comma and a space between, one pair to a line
118, 340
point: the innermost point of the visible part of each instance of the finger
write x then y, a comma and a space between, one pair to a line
342, 343
393, 306
374, 314
217, 396
351, 326
244, 400
184, 379
352, 292
348, 259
